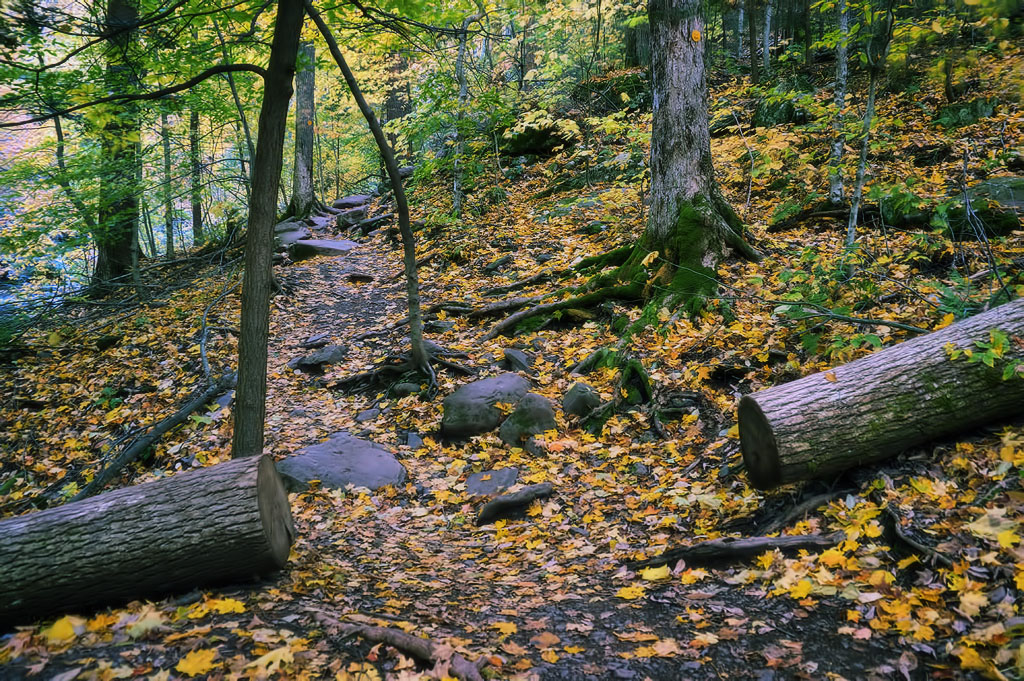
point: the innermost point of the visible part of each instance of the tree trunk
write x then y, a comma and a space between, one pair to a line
766, 42
808, 40
690, 223
878, 406
229, 522
242, 120
118, 204
196, 177
739, 31
259, 244
460, 77
877, 49
165, 141
835, 173
752, 40
420, 356
302, 175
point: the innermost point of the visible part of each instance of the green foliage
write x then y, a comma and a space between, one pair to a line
965, 113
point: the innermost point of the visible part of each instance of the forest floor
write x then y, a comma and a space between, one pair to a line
547, 595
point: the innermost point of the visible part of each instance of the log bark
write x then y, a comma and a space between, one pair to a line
878, 406
218, 524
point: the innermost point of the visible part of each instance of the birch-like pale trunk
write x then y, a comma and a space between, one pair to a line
835, 174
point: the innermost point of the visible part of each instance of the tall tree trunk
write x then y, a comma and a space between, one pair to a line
302, 174
835, 173
739, 31
690, 223
195, 177
165, 141
397, 104
460, 77
766, 43
420, 356
84, 213
242, 119
752, 39
259, 245
876, 51
118, 205
808, 53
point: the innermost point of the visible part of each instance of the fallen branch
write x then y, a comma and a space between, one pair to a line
736, 548
507, 503
422, 649
419, 263
137, 447
504, 306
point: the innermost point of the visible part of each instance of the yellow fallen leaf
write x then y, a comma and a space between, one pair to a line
545, 639
630, 593
549, 656
61, 631
695, 34
572, 650
225, 605
505, 628
802, 588
649, 258
197, 662
653, 574
272, 661
971, 603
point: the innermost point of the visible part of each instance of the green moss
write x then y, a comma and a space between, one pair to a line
612, 258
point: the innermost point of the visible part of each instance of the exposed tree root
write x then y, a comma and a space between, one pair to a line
397, 365
540, 277
425, 650
622, 292
501, 506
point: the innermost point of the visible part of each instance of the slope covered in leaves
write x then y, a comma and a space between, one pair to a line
548, 595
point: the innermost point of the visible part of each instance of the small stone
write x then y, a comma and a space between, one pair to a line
297, 413
317, 340
413, 440
491, 482
405, 389
580, 400
367, 415
517, 360
344, 460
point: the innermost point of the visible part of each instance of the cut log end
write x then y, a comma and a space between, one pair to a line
275, 513
760, 451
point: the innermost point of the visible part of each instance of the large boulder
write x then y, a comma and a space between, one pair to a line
351, 201
532, 416
341, 461
310, 248
470, 410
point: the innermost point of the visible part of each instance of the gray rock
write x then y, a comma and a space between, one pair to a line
517, 360
367, 415
413, 440
404, 389
310, 248
533, 415
285, 239
580, 400
344, 460
352, 201
288, 225
470, 410
297, 413
491, 482
315, 361
317, 340
352, 216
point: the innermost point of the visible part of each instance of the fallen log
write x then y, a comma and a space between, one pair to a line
737, 548
879, 405
224, 523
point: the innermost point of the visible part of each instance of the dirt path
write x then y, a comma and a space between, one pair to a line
542, 594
